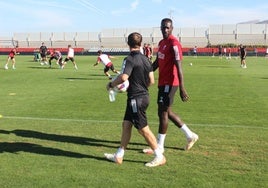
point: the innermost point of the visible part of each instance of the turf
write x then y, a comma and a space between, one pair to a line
57, 124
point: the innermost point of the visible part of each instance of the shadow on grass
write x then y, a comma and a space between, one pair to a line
218, 67
89, 77
38, 149
16, 147
43, 67
75, 139
69, 139
77, 78
58, 138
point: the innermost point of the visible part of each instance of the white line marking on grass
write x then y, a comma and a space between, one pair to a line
120, 121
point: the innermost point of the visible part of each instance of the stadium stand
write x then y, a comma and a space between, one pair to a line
115, 40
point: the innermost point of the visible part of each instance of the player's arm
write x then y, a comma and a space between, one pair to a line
155, 64
97, 62
178, 63
151, 78
183, 94
112, 57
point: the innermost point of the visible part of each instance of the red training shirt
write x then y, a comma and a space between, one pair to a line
169, 50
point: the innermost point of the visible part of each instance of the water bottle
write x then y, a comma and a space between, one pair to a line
112, 95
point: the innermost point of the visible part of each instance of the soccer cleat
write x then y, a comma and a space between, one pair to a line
6, 67
191, 141
113, 158
156, 162
149, 151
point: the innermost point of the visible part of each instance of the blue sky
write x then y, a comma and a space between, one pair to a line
94, 15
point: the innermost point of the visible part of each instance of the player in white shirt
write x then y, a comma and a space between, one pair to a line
106, 61
70, 56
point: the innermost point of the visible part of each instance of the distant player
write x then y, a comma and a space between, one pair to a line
243, 54
43, 52
106, 61
70, 56
220, 51
147, 51
55, 54
195, 51
11, 56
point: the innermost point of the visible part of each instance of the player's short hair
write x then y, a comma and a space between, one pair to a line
99, 52
167, 20
134, 40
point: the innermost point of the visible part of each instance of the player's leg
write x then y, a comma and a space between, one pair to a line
74, 63
105, 70
13, 63
8, 59
125, 138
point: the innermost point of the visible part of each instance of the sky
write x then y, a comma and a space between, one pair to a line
19, 16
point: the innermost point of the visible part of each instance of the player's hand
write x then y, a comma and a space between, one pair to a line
183, 94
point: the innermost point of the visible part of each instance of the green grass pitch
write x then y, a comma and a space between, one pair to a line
57, 124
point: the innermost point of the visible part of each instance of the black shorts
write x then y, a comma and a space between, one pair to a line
136, 111
70, 58
43, 55
166, 95
107, 68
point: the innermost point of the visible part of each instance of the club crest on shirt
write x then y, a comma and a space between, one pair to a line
164, 47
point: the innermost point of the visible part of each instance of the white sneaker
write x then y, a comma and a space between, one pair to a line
156, 162
6, 67
149, 151
113, 158
191, 141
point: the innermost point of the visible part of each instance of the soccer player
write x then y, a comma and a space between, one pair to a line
138, 70
220, 51
43, 51
243, 54
70, 56
56, 54
147, 51
195, 51
106, 61
11, 56
169, 64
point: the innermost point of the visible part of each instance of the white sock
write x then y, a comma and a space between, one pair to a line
161, 140
120, 152
188, 133
158, 153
